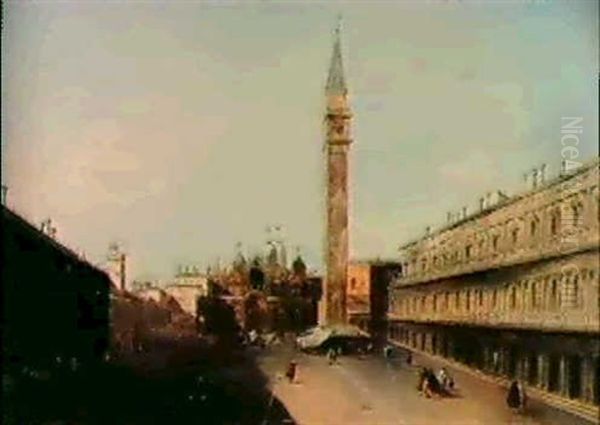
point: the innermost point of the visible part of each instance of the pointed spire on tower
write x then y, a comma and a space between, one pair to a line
336, 83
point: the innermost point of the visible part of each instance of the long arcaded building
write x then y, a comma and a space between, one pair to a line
512, 289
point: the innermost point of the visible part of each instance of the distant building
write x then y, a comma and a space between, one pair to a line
358, 289
187, 286
367, 293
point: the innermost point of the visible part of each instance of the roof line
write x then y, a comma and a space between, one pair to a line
512, 199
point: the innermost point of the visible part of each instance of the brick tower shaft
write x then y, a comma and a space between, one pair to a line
337, 147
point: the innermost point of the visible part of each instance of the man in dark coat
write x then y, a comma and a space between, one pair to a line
291, 371
516, 396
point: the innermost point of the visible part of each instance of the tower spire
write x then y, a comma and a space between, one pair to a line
338, 139
336, 83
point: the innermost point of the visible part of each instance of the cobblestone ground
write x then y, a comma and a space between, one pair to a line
373, 391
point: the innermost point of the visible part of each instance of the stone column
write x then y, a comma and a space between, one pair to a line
501, 361
587, 379
525, 368
450, 353
593, 379
518, 366
563, 377
487, 359
543, 371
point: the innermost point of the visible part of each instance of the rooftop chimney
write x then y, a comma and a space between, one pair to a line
428, 230
465, 211
534, 178
543, 169
563, 167
488, 200
448, 217
482, 203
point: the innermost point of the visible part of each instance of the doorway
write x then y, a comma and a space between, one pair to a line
553, 372
532, 373
512, 362
574, 374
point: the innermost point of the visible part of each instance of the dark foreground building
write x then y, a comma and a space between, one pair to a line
55, 306
512, 290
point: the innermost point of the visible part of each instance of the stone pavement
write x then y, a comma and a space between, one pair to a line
371, 391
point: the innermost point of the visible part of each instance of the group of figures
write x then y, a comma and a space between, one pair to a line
431, 385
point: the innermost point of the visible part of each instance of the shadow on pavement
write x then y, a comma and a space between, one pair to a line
200, 383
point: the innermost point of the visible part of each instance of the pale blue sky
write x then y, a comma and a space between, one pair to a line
181, 128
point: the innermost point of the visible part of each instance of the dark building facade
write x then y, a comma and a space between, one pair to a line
54, 303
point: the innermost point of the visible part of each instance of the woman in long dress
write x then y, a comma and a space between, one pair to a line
516, 396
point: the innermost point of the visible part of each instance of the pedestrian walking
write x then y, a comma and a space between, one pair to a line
443, 377
445, 380
387, 352
331, 356
516, 398
291, 371
424, 383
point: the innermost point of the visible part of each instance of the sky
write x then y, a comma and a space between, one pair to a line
181, 128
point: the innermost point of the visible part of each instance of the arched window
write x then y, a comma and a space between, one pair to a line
494, 298
495, 239
515, 235
554, 293
457, 300
574, 296
353, 283
533, 226
468, 295
576, 209
513, 297
468, 251
533, 295
554, 222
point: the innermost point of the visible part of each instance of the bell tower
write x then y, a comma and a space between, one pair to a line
337, 146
